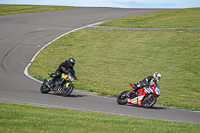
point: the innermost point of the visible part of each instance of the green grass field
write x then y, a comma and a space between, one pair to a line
189, 17
19, 118
16, 9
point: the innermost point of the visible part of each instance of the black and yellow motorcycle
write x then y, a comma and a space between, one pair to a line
62, 85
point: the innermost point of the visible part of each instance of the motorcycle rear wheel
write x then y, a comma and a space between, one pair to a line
149, 101
66, 91
121, 99
44, 88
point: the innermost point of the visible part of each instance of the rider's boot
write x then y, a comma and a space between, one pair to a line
127, 94
131, 91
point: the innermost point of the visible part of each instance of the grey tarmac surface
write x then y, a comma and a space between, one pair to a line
22, 35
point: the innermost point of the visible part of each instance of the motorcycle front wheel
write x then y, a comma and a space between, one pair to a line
149, 100
66, 91
121, 99
44, 88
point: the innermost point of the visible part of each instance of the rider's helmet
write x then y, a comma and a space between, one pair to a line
157, 76
71, 62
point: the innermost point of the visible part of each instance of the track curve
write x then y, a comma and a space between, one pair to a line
22, 35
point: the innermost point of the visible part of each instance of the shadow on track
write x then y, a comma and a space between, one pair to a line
154, 107
71, 96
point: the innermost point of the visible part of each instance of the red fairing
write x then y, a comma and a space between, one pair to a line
153, 89
141, 92
140, 102
145, 97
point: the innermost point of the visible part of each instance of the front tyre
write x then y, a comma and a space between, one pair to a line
121, 99
149, 100
66, 91
44, 88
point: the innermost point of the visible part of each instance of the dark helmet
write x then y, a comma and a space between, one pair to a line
71, 62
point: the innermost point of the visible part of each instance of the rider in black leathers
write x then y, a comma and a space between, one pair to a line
148, 81
63, 67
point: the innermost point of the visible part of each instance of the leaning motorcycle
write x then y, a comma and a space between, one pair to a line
62, 85
145, 97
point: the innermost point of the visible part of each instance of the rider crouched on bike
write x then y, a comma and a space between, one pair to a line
148, 81
64, 67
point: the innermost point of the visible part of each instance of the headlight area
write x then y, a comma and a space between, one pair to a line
71, 78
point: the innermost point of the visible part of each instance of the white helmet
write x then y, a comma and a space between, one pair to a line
157, 76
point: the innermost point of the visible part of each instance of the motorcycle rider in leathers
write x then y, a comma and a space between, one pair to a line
148, 81
67, 65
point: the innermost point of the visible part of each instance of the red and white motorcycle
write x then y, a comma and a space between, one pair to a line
145, 97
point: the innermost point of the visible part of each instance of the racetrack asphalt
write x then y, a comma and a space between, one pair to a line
23, 35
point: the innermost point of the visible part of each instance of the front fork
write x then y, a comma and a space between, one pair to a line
62, 86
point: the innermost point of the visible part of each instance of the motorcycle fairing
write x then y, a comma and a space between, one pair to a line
141, 93
149, 90
64, 76
136, 100
153, 89
157, 90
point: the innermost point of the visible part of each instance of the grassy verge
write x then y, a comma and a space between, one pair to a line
168, 18
16, 9
29, 118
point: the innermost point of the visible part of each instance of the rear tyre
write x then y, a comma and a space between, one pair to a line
121, 99
66, 91
149, 100
44, 88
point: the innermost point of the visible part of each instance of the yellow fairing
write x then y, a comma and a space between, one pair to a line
65, 76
